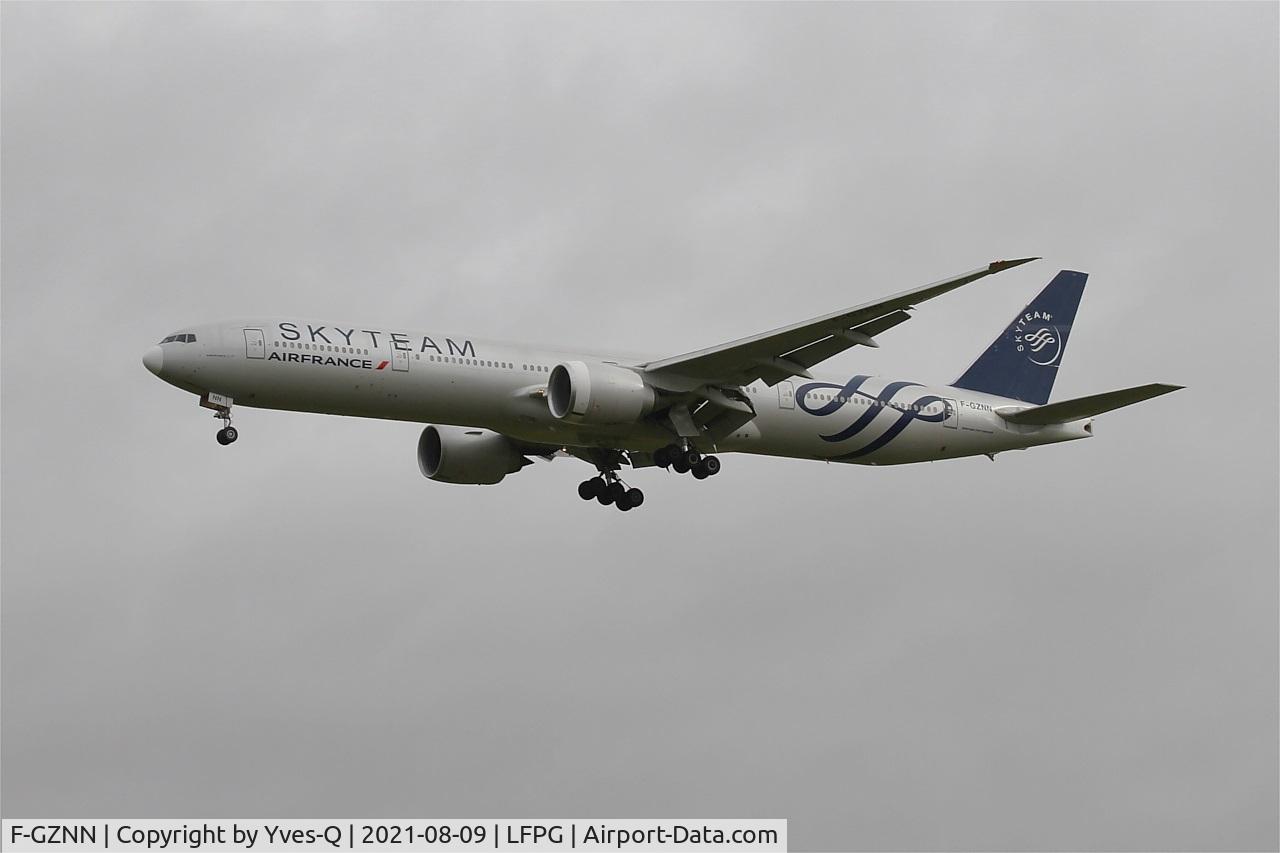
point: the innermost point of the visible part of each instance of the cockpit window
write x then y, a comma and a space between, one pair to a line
181, 339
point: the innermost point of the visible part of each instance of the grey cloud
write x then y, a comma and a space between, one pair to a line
1070, 648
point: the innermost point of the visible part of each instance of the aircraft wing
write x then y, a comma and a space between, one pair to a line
792, 350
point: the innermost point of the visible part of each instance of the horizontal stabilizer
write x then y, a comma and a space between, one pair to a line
1084, 407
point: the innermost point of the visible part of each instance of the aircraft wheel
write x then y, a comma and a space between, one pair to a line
661, 457
691, 457
712, 464
635, 497
700, 471
587, 489
624, 504
617, 492
604, 497
226, 435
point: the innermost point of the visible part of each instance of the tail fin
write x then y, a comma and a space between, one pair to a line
1023, 362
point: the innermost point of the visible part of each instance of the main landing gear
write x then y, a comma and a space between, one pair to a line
608, 489
686, 460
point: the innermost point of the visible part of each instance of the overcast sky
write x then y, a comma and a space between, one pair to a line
1071, 648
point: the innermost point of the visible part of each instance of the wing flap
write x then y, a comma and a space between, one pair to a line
837, 343
1084, 407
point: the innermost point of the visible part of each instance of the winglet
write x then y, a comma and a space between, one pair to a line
997, 266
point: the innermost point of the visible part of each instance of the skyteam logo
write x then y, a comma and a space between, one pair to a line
1037, 338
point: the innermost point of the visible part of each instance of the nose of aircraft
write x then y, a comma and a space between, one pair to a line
153, 360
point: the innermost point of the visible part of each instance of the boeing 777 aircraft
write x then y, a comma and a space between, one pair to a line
491, 406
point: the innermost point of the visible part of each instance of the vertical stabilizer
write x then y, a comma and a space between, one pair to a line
1023, 362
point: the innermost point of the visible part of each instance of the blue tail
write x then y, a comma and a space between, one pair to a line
1023, 362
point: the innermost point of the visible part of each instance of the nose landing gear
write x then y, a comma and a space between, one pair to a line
221, 406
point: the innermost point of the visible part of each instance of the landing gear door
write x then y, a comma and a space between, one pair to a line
786, 395
255, 346
952, 420
399, 359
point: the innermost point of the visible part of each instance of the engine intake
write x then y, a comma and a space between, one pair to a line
598, 393
474, 457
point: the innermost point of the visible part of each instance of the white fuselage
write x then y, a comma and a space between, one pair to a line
382, 372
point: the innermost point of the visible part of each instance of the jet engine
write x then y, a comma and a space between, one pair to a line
598, 393
477, 457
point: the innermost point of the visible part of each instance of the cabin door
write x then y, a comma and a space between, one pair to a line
786, 395
255, 345
952, 421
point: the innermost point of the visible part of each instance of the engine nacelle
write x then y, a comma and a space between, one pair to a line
475, 457
598, 393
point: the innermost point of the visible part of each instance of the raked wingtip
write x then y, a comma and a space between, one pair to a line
997, 266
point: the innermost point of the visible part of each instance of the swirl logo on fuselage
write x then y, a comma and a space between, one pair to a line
1037, 338
851, 393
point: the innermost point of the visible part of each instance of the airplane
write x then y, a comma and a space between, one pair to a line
492, 407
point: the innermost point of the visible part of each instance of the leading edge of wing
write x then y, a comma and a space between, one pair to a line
729, 359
